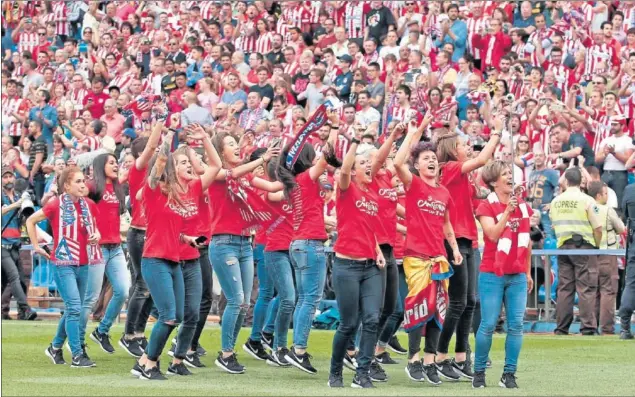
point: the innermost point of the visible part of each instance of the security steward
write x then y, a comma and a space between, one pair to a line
575, 219
627, 305
11, 267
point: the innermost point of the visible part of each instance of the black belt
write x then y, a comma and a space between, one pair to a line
110, 246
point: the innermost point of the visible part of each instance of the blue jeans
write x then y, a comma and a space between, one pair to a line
309, 261
278, 265
265, 293
546, 224
510, 289
119, 277
359, 297
165, 281
71, 284
193, 283
233, 261
272, 314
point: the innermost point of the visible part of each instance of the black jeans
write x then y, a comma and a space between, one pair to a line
39, 182
206, 297
627, 306
357, 287
140, 301
616, 180
432, 333
462, 294
12, 269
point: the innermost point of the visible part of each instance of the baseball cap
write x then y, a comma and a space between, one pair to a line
7, 169
346, 58
130, 133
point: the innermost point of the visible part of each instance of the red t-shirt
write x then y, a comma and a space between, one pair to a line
97, 110
400, 240
108, 220
165, 223
136, 180
387, 198
52, 212
308, 209
426, 206
191, 223
225, 218
261, 236
514, 265
357, 221
280, 238
459, 186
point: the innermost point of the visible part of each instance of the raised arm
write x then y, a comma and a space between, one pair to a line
487, 152
160, 163
349, 162
244, 169
151, 146
384, 150
493, 229
319, 167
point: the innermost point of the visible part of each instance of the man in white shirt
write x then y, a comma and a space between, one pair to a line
368, 117
410, 15
614, 152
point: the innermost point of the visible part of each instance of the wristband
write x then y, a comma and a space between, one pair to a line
355, 141
335, 127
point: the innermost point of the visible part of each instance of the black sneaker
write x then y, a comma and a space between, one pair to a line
266, 340
85, 351
384, 358
431, 374
508, 381
277, 358
463, 368
178, 369
256, 350
478, 381
172, 350
81, 361
377, 373
103, 340
55, 355
301, 361
131, 346
350, 362
152, 374
446, 370
143, 343
136, 369
336, 380
229, 364
362, 382
193, 360
414, 371
395, 346
626, 334
201, 351
27, 315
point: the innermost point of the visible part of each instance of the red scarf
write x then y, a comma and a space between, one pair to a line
505, 241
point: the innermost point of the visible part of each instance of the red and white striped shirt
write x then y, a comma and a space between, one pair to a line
474, 25
206, 12
543, 35
247, 43
314, 15
60, 16
263, 141
599, 59
291, 68
27, 41
17, 105
76, 97
102, 52
341, 147
355, 19
122, 81
263, 43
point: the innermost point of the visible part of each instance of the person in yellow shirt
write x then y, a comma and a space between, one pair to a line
612, 227
576, 222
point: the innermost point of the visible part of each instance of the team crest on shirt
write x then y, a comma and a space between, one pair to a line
368, 206
432, 206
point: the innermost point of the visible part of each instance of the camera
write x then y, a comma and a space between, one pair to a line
518, 68
27, 208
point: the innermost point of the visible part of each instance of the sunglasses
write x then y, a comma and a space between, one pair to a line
523, 141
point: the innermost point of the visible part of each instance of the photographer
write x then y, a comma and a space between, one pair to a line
11, 266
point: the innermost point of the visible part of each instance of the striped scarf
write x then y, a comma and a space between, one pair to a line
68, 246
505, 241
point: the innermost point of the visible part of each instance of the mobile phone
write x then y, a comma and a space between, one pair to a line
201, 240
46, 249
276, 142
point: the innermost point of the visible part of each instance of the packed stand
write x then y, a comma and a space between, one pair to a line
173, 123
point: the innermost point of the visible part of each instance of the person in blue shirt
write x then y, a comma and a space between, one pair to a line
11, 266
195, 68
453, 31
543, 187
344, 81
46, 115
524, 18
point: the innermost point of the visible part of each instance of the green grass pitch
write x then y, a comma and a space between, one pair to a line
549, 365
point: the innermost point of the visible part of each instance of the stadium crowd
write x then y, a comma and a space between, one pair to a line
546, 87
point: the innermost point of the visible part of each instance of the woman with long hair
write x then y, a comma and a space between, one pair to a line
171, 197
357, 277
455, 175
75, 249
110, 198
505, 271
425, 263
302, 188
236, 212
207, 97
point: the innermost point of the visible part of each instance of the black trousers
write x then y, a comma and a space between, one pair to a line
462, 294
140, 301
13, 278
432, 333
206, 298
